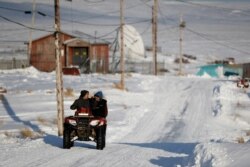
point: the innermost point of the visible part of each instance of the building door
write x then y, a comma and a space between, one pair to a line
81, 58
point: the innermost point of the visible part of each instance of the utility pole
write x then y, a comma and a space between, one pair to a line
122, 85
181, 27
154, 35
59, 83
32, 26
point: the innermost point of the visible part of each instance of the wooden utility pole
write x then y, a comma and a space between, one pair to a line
181, 27
154, 35
122, 85
59, 82
32, 26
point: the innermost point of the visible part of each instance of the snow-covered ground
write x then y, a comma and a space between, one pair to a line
157, 121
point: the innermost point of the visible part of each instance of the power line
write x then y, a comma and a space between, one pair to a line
203, 35
214, 41
217, 7
165, 17
12, 9
15, 33
146, 29
23, 25
106, 25
145, 3
115, 11
108, 33
81, 22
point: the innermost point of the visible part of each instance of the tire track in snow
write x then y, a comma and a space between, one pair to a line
180, 118
189, 121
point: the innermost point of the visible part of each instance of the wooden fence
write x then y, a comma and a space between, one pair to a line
13, 64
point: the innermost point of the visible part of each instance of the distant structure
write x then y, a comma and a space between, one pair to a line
246, 70
89, 55
225, 70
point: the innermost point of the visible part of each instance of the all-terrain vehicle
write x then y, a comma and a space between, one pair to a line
243, 83
84, 127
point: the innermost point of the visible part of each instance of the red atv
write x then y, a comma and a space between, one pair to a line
242, 83
84, 127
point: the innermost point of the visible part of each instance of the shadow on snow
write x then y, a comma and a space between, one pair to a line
50, 139
13, 115
185, 149
57, 141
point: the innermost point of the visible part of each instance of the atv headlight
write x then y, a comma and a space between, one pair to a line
101, 123
94, 122
83, 114
72, 122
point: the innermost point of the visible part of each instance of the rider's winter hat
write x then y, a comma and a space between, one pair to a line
99, 94
83, 93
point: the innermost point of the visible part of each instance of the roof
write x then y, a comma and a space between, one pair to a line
76, 42
80, 36
50, 35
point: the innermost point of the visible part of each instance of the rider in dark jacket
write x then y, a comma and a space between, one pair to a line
82, 104
99, 105
99, 108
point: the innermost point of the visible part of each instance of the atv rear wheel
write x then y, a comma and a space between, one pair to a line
100, 138
71, 143
66, 139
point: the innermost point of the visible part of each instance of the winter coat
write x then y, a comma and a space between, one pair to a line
99, 108
81, 105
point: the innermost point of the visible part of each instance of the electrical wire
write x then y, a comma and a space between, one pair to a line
108, 33
106, 13
105, 25
204, 36
145, 3
12, 9
165, 18
81, 22
216, 7
146, 29
23, 25
12, 34
216, 42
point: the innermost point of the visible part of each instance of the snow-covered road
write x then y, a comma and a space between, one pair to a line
158, 121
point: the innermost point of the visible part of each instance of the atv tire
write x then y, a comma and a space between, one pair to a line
71, 143
66, 139
100, 138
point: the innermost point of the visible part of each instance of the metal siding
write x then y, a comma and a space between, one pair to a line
100, 52
43, 53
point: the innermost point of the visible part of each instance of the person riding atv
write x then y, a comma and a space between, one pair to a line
99, 108
84, 125
82, 104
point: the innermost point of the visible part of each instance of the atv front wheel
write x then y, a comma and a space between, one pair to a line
100, 138
66, 139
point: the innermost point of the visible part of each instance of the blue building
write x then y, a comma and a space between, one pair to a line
218, 70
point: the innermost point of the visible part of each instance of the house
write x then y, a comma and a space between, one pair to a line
86, 54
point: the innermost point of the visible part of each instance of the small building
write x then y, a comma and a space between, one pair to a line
220, 70
87, 55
